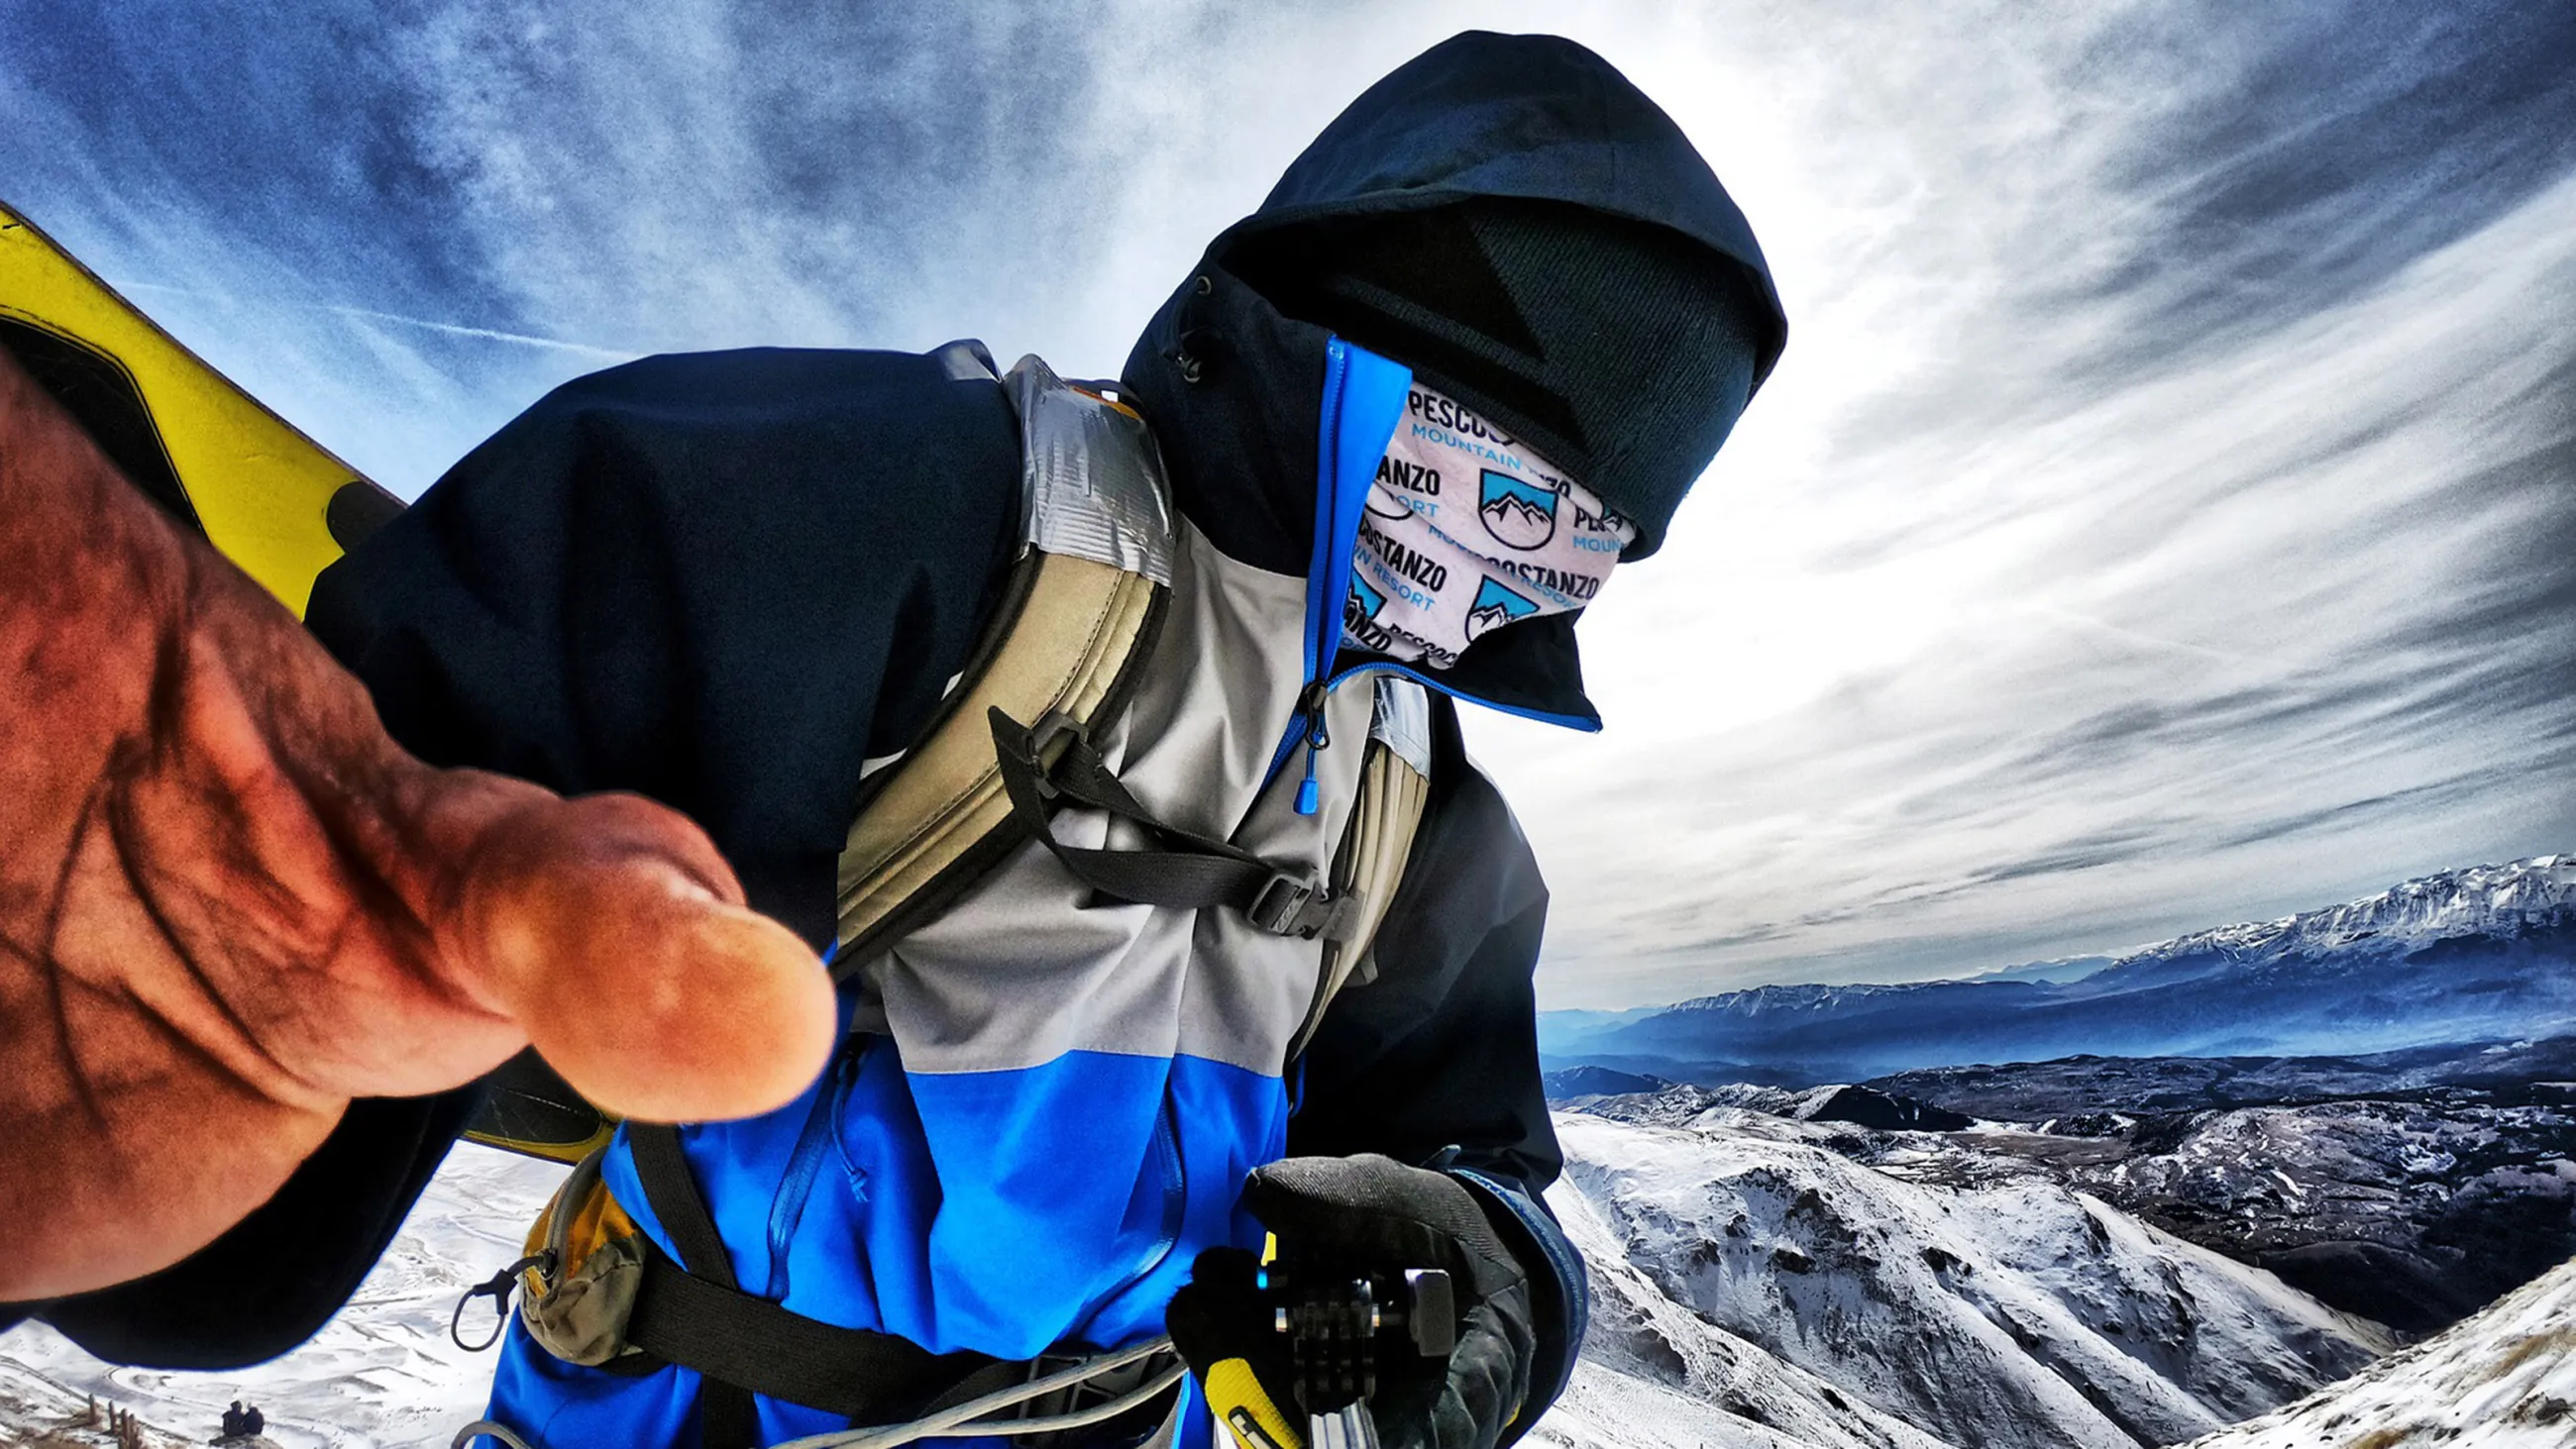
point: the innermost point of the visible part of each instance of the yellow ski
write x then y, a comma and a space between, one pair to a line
269, 498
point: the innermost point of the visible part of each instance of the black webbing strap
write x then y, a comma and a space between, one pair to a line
726, 1416
1195, 873
698, 1317
756, 1346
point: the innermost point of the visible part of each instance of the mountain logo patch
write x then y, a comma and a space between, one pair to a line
1520, 514
1367, 602
1496, 606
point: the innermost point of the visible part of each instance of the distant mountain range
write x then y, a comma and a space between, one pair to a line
2479, 954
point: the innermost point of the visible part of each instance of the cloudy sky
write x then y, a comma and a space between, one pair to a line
2165, 515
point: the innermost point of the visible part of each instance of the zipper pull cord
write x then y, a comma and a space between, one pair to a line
1311, 703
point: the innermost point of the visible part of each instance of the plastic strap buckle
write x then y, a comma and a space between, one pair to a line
1295, 906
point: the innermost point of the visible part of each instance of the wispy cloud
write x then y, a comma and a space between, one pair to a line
2163, 514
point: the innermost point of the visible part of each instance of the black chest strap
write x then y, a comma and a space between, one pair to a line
697, 1316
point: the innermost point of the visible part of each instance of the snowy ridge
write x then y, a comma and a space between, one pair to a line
2504, 1379
1779, 1000
2484, 953
2022, 1316
2495, 900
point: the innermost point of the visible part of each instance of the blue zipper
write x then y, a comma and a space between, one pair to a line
787, 1207
1363, 403
1364, 397
1167, 1236
1328, 568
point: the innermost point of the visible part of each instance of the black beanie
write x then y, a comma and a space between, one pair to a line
1620, 350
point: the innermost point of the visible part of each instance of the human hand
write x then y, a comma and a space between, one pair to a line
1368, 1210
229, 903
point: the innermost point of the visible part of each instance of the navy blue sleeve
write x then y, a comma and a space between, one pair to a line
720, 580
273, 1279
1436, 1060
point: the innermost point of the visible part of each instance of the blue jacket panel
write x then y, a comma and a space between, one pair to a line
1057, 1214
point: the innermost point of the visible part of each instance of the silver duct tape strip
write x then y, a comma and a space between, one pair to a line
1401, 720
1094, 484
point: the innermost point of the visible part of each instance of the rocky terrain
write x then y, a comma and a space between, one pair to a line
2506, 1072
2413, 1188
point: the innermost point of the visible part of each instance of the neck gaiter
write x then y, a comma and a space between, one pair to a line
1466, 531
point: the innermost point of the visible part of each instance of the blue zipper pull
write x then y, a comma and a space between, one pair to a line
1311, 704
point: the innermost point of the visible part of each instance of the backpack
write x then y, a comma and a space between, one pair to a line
1062, 654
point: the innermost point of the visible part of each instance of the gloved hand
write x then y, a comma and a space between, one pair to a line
1373, 1211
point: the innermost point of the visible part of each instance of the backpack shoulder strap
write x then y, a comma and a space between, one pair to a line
1075, 624
1395, 789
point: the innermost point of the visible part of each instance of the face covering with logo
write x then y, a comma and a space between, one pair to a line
1466, 531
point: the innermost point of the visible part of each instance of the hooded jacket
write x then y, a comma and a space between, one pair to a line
730, 580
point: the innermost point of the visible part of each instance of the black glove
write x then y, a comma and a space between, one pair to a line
1376, 1212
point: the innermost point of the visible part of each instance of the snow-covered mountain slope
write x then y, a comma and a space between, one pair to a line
2413, 1188
2413, 1206
383, 1373
41, 1414
1655, 1375
2480, 900
2018, 1315
2416, 1212
2504, 1379
2484, 953
2034, 1092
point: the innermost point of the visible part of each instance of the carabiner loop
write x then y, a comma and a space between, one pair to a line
498, 1287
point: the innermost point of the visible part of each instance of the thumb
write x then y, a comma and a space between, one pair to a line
614, 933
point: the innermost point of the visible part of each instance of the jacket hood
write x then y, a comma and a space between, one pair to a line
1233, 387
1529, 117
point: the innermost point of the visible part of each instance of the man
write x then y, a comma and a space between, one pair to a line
1467, 356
